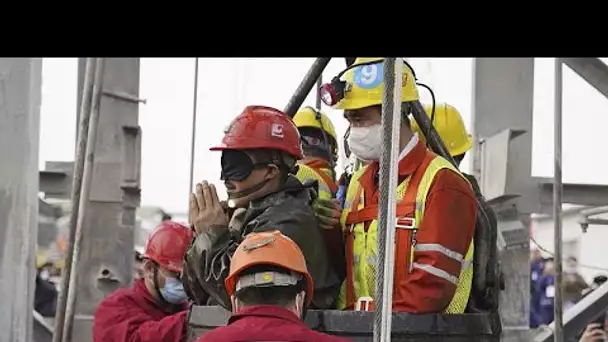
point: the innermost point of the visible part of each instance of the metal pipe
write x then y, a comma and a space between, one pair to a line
578, 317
318, 98
391, 121
84, 195
193, 142
315, 71
557, 203
593, 211
81, 147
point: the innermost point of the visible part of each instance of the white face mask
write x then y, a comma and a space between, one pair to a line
365, 142
45, 274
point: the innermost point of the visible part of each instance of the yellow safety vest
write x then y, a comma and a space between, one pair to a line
365, 244
306, 172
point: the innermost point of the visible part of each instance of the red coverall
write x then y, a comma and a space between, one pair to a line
266, 323
133, 315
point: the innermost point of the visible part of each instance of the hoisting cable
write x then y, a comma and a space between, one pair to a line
84, 195
557, 203
433, 107
81, 148
326, 141
193, 141
391, 121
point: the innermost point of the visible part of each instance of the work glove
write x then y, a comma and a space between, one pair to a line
328, 212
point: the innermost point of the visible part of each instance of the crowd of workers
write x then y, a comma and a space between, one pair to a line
291, 237
542, 294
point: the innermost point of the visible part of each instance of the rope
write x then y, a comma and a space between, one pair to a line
391, 120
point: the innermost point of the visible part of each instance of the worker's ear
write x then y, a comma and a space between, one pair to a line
235, 303
300, 302
148, 268
273, 171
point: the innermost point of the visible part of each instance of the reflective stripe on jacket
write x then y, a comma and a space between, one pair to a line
322, 174
434, 254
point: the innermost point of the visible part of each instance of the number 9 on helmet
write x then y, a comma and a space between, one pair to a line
363, 85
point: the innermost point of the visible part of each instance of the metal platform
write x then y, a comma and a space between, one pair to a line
358, 326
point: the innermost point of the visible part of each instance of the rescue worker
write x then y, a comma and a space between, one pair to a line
546, 289
155, 308
436, 208
450, 127
536, 273
259, 154
574, 283
270, 288
320, 148
45, 292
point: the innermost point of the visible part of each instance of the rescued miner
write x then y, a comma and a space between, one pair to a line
260, 151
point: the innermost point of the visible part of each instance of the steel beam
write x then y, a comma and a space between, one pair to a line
591, 195
592, 70
578, 317
20, 96
498, 106
56, 179
108, 232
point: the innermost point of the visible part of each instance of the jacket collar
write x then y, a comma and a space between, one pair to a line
410, 159
317, 163
291, 187
265, 311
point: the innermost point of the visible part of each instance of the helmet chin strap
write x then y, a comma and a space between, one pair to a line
248, 191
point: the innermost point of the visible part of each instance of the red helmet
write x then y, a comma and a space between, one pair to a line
167, 245
262, 127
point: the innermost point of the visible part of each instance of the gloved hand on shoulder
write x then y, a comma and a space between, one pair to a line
328, 212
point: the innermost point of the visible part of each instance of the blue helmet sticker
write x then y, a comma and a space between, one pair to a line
368, 76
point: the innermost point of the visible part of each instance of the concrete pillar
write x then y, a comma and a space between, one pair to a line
503, 95
107, 251
20, 96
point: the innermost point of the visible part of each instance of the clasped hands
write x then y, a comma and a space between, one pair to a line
206, 212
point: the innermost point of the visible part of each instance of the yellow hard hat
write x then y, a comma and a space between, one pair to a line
41, 259
450, 127
365, 84
307, 117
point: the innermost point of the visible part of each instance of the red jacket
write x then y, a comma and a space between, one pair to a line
266, 323
133, 315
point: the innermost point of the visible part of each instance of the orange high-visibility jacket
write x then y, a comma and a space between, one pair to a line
425, 280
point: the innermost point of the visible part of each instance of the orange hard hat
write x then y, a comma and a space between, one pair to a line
267, 248
262, 127
167, 245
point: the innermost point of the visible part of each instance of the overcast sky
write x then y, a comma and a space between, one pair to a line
227, 85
